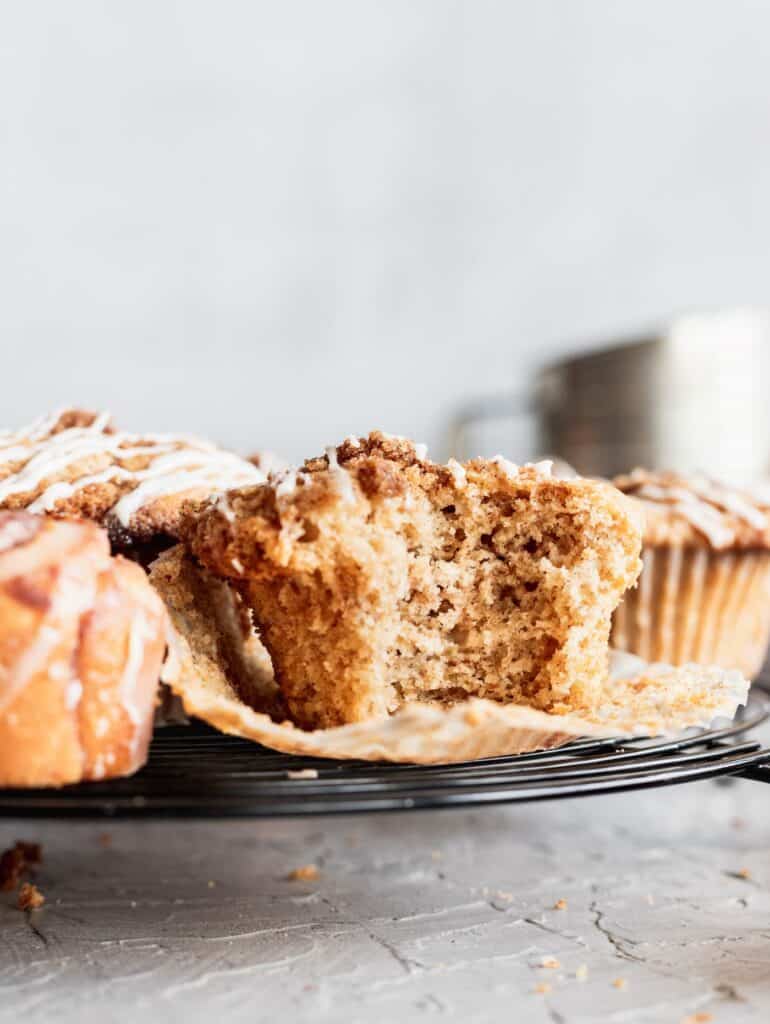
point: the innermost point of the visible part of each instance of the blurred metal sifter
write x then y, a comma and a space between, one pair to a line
693, 396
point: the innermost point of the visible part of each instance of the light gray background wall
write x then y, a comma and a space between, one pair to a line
281, 222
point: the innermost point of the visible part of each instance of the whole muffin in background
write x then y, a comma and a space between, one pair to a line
704, 592
73, 463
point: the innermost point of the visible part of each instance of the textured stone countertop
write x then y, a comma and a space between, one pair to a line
418, 917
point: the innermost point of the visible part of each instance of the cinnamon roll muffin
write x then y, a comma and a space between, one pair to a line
82, 638
704, 592
74, 463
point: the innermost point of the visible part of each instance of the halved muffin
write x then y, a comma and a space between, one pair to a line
377, 578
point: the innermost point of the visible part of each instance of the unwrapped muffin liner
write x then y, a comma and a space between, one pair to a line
698, 605
639, 699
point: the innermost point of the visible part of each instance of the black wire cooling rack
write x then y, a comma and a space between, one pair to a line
194, 771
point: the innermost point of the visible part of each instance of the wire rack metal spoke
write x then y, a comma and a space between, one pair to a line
194, 771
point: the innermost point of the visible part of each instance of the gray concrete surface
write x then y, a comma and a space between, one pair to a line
413, 917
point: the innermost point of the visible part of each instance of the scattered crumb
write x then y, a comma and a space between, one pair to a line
738, 823
307, 873
505, 896
133, 904
743, 874
30, 897
550, 962
32, 852
543, 988
560, 905
697, 1018
619, 983
436, 854
303, 773
650, 899
11, 868
17, 861
105, 840
582, 972
211, 884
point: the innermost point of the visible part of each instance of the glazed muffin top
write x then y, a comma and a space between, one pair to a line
74, 463
695, 511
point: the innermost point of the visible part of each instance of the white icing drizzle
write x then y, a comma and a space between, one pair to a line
164, 484
56, 455
509, 468
731, 501
223, 506
178, 463
64, 488
284, 483
458, 473
760, 493
544, 467
353, 441
129, 680
340, 476
420, 450
31, 661
43, 426
73, 694
704, 503
14, 532
562, 470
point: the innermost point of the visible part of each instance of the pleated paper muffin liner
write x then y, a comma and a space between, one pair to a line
698, 605
638, 699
